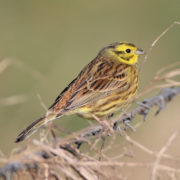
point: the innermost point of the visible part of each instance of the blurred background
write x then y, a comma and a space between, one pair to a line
44, 45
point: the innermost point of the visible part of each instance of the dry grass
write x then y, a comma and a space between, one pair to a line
60, 160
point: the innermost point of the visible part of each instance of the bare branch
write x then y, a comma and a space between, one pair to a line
156, 40
161, 153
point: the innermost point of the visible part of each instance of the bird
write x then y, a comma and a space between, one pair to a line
103, 87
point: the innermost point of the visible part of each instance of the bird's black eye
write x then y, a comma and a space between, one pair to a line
128, 50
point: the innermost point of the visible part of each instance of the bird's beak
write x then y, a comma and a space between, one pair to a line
139, 51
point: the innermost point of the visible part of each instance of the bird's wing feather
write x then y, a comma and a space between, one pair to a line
92, 91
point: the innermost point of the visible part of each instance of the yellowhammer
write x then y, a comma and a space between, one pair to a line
100, 89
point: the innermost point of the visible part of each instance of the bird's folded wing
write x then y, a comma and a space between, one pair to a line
92, 91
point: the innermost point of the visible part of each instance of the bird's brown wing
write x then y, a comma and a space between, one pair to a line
93, 90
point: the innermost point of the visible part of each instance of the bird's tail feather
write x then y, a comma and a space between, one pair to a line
31, 129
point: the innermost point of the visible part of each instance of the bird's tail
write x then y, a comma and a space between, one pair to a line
35, 126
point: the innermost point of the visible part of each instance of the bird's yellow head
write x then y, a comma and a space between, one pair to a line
124, 52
